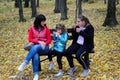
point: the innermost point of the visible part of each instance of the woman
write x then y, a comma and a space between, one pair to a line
83, 43
39, 34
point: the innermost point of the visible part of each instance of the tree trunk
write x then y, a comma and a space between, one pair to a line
16, 3
110, 19
57, 6
26, 3
105, 1
79, 7
63, 9
85, 0
76, 12
37, 3
33, 5
8, 0
117, 1
20, 11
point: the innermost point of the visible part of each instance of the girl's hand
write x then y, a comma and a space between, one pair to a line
53, 41
56, 33
78, 30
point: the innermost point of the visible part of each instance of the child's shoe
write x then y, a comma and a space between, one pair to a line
85, 72
60, 73
72, 70
51, 65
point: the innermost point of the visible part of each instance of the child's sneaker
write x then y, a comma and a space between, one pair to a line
60, 73
72, 70
51, 65
85, 72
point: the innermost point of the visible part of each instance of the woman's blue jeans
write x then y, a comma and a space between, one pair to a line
34, 54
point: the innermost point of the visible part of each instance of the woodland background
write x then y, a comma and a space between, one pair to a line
105, 62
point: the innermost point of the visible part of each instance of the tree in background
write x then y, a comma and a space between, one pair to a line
16, 4
63, 9
78, 9
57, 6
21, 11
104, 1
110, 19
8, 0
26, 3
85, 0
33, 6
117, 1
38, 3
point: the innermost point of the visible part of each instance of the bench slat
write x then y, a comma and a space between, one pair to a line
69, 30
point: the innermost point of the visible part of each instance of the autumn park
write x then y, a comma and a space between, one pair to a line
16, 17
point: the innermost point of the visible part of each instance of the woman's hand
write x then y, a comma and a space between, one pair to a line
43, 44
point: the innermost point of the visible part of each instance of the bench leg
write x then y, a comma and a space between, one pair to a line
39, 66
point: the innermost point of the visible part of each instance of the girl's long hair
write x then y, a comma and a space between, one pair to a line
83, 18
39, 18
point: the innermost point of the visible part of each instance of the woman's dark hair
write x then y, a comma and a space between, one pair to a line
83, 18
39, 18
62, 27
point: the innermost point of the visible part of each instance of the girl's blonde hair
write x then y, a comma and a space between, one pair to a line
62, 27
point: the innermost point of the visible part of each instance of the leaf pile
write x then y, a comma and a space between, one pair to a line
105, 62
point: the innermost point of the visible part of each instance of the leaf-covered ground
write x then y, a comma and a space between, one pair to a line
105, 62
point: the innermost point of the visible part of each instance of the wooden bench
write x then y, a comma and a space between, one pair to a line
69, 30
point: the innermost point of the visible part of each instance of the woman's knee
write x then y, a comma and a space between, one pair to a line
36, 47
